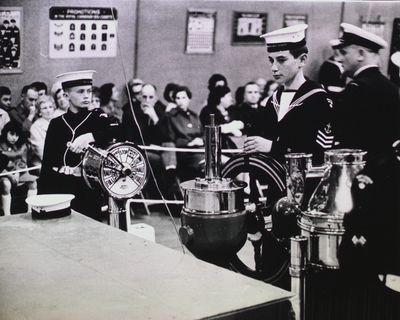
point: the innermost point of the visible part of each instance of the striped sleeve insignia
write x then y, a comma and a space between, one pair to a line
325, 137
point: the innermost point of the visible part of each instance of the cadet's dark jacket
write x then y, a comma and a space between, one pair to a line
150, 131
306, 127
367, 115
56, 155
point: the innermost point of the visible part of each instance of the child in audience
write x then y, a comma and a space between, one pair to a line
14, 146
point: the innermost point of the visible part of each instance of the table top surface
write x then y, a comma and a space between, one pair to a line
77, 268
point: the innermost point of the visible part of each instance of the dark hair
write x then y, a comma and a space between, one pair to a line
4, 91
180, 89
215, 96
169, 90
214, 79
299, 51
38, 85
13, 127
106, 93
239, 94
26, 88
96, 91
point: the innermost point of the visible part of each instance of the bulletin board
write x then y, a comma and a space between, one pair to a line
200, 31
10, 39
248, 27
82, 32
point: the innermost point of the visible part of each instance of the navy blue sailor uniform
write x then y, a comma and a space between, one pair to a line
61, 168
306, 127
367, 115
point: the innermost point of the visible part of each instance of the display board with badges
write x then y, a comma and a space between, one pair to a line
82, 32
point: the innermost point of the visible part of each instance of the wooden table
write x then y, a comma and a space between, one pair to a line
77, 268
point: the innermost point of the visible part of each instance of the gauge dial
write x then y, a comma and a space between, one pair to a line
123, 172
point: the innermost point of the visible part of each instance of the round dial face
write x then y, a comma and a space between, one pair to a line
124, 171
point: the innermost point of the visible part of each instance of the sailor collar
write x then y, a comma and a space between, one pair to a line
305, 91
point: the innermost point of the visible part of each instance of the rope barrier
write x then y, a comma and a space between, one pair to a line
19, 171
159, 148
151, 147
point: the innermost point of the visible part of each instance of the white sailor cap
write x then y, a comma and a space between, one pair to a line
395, 58
288, 38
335, 43
49, 206
355, 35
76, 78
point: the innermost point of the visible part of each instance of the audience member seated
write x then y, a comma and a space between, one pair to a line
247, 110
261, 82
95, 98
216, 80
168, 95
182, 127
60, 100
109, 96
220, 104
24, 113
5, 104
45, 106
14, 146
269, 89
143, 128
134, 89
40, 87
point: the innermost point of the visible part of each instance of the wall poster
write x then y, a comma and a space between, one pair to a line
81, 32
10, 39
248, 27
200, 31
293, 19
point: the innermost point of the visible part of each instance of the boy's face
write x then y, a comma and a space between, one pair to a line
12, 137
349, 57
80, 96
5, 101
284, 66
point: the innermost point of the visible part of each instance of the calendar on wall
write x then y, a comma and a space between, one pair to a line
200, 31
81, 32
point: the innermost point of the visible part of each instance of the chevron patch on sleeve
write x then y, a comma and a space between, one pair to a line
325, 137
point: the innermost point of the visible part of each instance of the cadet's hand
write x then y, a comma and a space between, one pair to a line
257, 144
81, 143
196, 142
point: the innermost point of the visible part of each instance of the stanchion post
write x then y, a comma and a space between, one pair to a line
297, 270
113, 211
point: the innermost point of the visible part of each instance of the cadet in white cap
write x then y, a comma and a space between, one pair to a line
297, 116
67, 136
367, 117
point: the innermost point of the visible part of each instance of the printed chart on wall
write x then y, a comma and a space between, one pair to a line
200, 31
10, 39
78, 32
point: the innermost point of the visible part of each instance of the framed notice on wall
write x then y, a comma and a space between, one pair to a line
293, 19
78, 32
248, 27
200, 31
10, 39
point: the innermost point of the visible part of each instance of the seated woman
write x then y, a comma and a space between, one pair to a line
220, 103
61, 102
45, 107
109, 96
182, 127
14, 146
